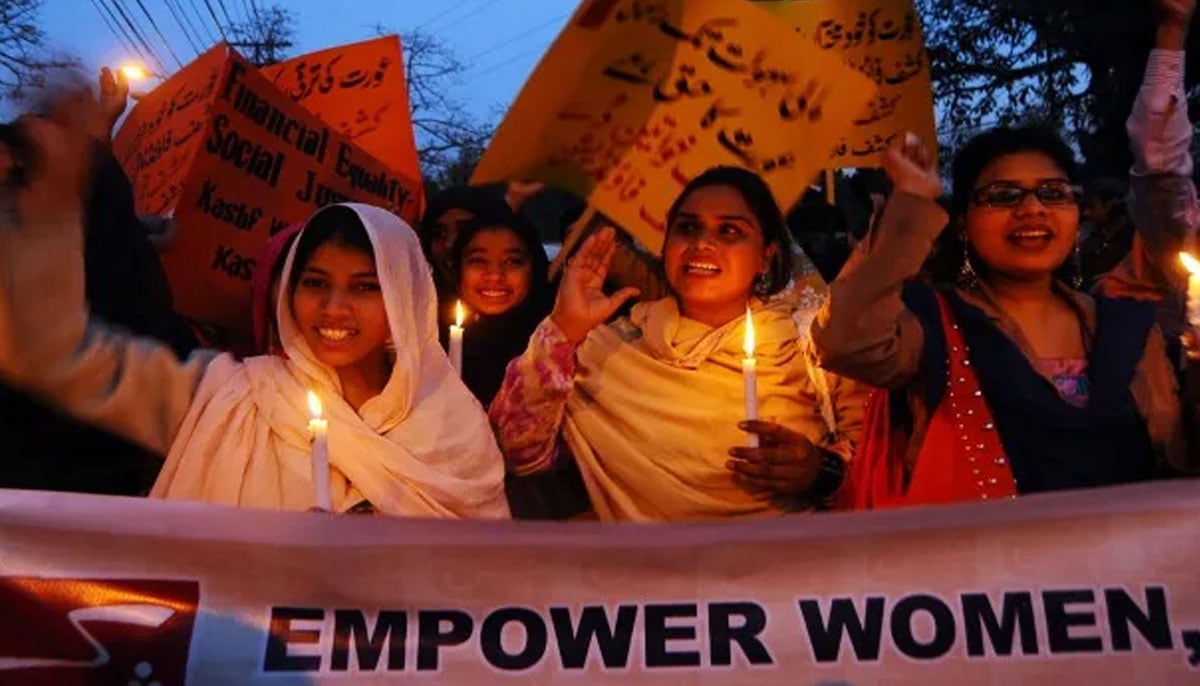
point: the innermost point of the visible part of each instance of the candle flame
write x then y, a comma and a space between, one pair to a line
459, 314
1190, 263
748, 344
314, 405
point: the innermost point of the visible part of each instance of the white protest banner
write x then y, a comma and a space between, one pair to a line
1092, 587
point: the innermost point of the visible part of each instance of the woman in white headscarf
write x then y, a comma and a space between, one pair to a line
356, 319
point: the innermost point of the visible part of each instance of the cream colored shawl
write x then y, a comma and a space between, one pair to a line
656, 405
421, 448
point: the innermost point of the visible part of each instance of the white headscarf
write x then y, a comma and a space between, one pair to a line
421, 448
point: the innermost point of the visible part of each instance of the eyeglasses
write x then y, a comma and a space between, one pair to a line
1050, 194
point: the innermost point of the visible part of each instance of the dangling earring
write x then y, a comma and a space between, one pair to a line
967, 280
762, 284
1077, 279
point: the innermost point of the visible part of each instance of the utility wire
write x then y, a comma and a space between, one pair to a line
216, 21
185, 24
118, 32
211, 37
508, 41
225, 11
503, 63
159, 65
161, 37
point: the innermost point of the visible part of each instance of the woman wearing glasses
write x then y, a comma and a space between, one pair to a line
1000, 378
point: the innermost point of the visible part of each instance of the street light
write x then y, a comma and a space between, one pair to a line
136, 72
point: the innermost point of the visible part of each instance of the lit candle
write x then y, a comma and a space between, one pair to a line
456, 336
319, 428
750, 377
1193, 290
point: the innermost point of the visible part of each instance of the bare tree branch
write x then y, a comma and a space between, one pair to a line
267, 34
449, 141
1071, 64
23, 58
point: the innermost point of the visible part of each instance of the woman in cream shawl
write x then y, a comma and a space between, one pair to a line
650, 406
417, 444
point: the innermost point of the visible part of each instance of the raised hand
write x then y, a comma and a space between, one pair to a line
59, 151
114, 98
912, 168
519, 192
1174, 18
582, 304
1176, 11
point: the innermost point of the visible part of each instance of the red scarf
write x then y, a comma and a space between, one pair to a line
960, 460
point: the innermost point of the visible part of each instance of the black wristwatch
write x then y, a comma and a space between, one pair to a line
830, 477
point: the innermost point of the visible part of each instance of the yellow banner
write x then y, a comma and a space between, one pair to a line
1092, 587
637, 97
882, 39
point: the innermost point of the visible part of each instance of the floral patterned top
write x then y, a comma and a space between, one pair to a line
529, 409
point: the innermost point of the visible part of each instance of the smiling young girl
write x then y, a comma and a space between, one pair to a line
356, 319
501, 270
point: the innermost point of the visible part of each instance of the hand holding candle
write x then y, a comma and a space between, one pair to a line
456, 338
750, 377
1193, 299
1193, 290
319, 429
786, 464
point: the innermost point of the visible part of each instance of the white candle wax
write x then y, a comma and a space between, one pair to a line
456, 339
1192, 314
318, 428
456, 334
1193, 300
750, 378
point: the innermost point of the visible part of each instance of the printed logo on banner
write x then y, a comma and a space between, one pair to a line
96, 631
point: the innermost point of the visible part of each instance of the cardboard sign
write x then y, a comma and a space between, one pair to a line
359, 89
635, 98
881, 39
234, 160
160, 137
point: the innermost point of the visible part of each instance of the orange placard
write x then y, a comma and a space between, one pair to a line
256, 163
361, 91
160, 136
